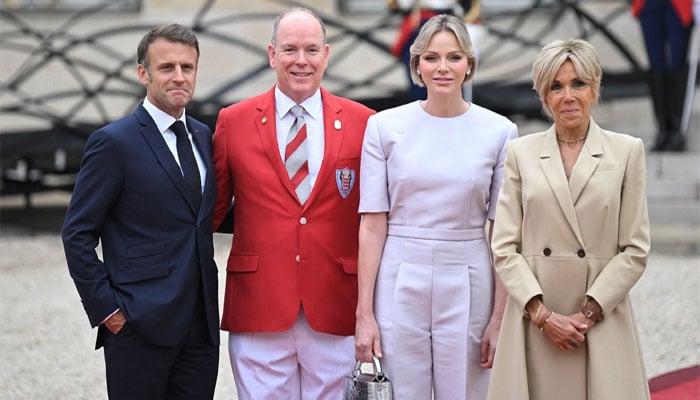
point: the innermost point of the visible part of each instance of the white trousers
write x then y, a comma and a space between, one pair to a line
298, 364
433, 300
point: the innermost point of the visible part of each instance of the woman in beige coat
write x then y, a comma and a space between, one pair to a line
570, 241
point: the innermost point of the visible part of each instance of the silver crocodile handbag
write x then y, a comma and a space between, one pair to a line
368, 386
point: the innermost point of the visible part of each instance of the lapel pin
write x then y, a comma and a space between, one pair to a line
337, 125
264, 120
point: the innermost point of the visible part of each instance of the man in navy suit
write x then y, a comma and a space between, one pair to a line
153, 295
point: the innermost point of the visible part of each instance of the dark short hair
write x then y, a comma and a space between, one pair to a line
170, 32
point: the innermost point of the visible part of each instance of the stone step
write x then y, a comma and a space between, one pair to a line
675, 213
673, 190
663, 190
668, 165
675, 238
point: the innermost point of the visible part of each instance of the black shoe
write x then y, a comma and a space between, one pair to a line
661, 141
675, 142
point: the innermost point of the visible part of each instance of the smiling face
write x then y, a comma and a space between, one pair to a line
170, 76
299, 55
569, 100
443, 65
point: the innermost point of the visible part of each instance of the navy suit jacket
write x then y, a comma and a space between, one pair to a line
157, 253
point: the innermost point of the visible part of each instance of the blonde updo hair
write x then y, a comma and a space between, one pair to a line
442, 23
553, 55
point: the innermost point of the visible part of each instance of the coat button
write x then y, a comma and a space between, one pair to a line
581, 253
302, 220
297, 258
547, 251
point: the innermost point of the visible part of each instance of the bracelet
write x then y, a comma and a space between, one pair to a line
546, 320
537, 314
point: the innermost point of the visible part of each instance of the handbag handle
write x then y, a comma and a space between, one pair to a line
376, 366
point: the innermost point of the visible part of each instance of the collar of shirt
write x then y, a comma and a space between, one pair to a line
312, 105
314, 128
162, 119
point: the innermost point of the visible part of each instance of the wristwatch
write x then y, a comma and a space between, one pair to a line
591, 313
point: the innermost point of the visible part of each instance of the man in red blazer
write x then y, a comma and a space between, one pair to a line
291, 284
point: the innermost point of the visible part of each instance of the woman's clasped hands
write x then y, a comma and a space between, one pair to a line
567, 332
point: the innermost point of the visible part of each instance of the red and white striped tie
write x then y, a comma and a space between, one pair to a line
296, 155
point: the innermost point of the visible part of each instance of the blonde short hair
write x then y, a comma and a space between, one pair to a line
553, 55
442, 23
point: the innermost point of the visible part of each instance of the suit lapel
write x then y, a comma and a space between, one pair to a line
587, 161
203, 144
553, 167
333, 129
266, 126
165, 158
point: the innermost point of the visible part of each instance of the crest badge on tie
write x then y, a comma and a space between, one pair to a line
345, 179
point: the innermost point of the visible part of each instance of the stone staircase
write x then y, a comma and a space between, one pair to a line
673, 197
673, 188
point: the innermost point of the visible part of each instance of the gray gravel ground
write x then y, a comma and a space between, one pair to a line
47, 345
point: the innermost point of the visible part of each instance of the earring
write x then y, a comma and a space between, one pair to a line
418, 72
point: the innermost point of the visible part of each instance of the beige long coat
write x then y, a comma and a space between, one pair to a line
565, 240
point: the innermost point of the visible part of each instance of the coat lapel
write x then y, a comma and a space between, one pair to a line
333, 129
266, 126
165, 158
587, 161
203, 144
553, 167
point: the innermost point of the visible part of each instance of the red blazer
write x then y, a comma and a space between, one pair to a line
283, 254
684, 9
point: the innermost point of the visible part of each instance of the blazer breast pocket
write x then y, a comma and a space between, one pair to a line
346, 172
607, 174
351, 163
607, 166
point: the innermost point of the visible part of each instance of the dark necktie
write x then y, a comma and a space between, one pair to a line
188, 164
296, 155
